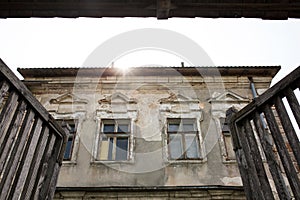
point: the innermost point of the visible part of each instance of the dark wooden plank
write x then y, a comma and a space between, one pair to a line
53, 182
241, 160
26, 94
288, 128
28, 157
17, 152
32, 176
45, 190
248, 165
59, 132
233, 128
43, 169
255, 153
7, 115
10, 137
4, 87
267, 145
283, 153
291, 78
22, 149
294, 104
22, 89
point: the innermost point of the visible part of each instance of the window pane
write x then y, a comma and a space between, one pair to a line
173, 127
104, 149
123, 128
188, 127
72, 128
68, 152
108, 128
110, 149
191, 146
121, 151
175, 146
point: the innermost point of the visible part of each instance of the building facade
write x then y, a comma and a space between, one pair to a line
148, 133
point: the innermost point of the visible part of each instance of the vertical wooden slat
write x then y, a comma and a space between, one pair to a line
250, 166
288, 128
43, 169
53, 182
294, 104
241, 160
51, 169
7, 114
283, 153
10, 138
26, 163
35, 165
10, 170
4, 87
258, 163
27, 159
267, 145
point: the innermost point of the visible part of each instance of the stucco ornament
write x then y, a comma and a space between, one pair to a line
148, 39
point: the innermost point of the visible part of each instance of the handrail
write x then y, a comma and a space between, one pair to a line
31, 142
277, 144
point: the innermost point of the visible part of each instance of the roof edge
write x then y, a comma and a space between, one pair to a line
149, 188
151, 71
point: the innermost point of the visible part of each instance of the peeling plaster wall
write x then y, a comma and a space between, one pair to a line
149, 165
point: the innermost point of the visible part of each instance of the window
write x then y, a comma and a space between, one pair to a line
183, 139
71, 126
230, 155
114, 140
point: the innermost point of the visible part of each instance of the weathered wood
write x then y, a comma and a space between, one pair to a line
35, 164
283, 153
22, 89
288, 128
268, 95
10, 170
53, 182
11, 137
51, 169
282, 89
4, 87
7, 115
43, 169
267, 145
25, 149
294, 104
260, 170
249, 166
29, 154
59, 132
147, 8
233, 128
240, 157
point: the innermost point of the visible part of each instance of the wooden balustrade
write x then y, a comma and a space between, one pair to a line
31, 142
266, 143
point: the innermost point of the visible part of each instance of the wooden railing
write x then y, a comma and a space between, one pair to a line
31, 143
266, 143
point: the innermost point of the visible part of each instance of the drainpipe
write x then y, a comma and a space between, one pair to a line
254, 93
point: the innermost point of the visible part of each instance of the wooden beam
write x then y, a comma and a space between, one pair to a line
162, 9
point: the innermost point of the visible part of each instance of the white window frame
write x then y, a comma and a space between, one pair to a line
103, 115
183, 133
78, 117
114, 134
197, 117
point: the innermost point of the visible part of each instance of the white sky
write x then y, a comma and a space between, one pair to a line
58, 42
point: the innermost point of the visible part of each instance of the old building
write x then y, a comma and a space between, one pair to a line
154, 133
